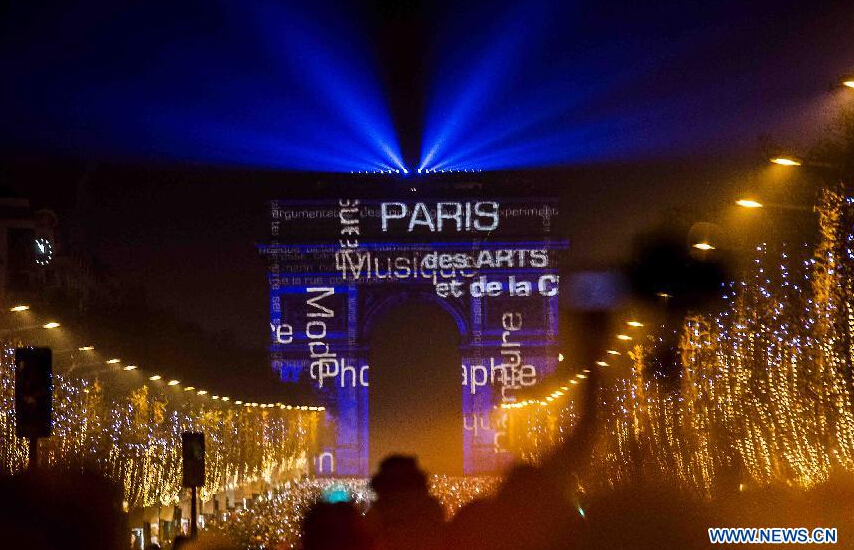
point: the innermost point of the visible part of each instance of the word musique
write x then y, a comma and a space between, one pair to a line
432, 265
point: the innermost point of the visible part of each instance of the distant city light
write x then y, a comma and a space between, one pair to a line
786, 161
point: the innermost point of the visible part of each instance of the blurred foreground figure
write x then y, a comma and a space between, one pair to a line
52, 510
538, 507
334, 526
405, 516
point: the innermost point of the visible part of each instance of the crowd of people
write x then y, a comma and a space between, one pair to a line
536, 507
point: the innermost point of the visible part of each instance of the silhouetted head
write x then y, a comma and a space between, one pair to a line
334, 526
52, 510
399, 473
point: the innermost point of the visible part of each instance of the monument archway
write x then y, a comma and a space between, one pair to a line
491, 265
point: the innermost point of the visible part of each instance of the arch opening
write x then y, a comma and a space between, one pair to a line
415, 396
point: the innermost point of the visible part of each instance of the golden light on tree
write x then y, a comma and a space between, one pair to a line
766, 390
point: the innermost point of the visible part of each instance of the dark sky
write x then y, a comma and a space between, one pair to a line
119, 115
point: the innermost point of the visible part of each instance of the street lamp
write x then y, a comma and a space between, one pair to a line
52, 324
21, 307
749, 203
154, 378
786, 161
703, 246
130, 367
849, 82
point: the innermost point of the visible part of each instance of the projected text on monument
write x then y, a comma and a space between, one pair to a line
336, 265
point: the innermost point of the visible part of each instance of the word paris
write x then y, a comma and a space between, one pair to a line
467, 216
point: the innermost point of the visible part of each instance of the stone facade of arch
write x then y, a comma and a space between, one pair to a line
322, 313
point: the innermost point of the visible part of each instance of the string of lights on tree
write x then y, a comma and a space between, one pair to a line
765, 395
135, 436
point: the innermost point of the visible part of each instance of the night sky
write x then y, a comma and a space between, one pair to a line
159, 129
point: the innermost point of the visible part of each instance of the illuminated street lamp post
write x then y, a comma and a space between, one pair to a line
786, 161
754, 204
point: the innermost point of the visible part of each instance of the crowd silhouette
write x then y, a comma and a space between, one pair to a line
535, 508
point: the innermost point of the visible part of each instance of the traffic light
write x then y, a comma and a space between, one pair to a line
33, 392
193, 454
